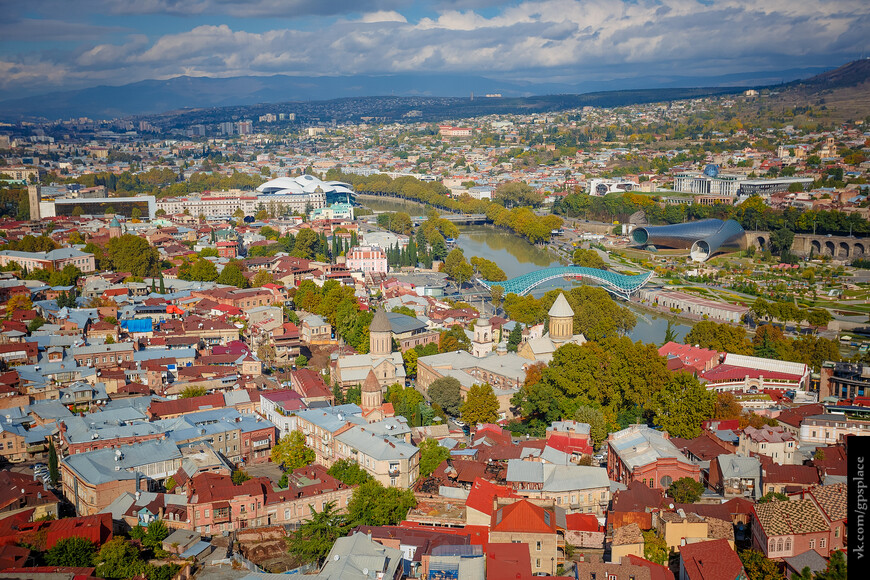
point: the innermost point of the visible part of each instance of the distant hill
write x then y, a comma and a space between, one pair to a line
158, 96
850, 74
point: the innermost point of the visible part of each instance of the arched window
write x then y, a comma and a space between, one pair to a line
666, 481
779, 545
771, 546
788, 544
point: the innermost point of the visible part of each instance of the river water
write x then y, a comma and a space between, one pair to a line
516, 257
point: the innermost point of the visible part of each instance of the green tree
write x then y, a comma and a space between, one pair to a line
431, 456
119, 558
759, 567
200, 269
772, 496
291, 452
372, 504
515, 337
262, 278
409, 357
301, 361
192, 391
349, 472
682, 405
596, 420
781, 240
315, 537
129, 253
480, 405
496, 293
53, 472
72, 552
240, 476
306, 244
454, 339
686, 490
836, 569
588, 259
719, 337
447, 393
232, 275
655, 549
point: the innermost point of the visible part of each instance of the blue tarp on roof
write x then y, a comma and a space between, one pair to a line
137, 325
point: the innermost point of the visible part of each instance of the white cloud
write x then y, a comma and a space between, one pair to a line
590, 39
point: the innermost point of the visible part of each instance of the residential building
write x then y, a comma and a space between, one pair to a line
781, 529
574, 488
390, 461
639, 453
367, 259
713, 560
774, 442
830, 429
314, 330
92, 480
358, 557
844, 380
523, 522
736, 476
53, 260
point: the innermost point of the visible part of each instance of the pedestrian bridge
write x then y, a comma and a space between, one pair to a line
621, 285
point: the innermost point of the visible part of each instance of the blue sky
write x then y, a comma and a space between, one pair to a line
47, 45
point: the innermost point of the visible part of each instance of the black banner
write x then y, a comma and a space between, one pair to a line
858, 458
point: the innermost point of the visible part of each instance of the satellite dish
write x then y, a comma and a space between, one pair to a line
365, 571
336, 557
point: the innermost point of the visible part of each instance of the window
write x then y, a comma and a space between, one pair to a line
837, 532
538, 546
771, 546
788, 544
823, 543
537, 562
812, 544
206, 513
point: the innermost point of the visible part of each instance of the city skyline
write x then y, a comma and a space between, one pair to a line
106, 42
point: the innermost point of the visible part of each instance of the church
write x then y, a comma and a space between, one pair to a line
386, 366
561, 332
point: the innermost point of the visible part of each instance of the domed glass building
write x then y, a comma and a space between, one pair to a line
703, 238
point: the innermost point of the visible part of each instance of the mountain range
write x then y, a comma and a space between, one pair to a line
150, 97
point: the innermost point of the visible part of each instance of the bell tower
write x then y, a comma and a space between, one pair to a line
561, 319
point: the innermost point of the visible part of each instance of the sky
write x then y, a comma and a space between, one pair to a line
48, 45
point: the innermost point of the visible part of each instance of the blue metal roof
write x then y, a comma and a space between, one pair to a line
620, 284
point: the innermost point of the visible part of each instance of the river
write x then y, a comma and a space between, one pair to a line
516, 257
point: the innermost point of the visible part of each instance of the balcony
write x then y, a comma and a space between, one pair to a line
221, 516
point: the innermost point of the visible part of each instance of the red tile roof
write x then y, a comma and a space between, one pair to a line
714, 560
582, 523
523, 517
657, 571
505, 562
190, 405
482, 494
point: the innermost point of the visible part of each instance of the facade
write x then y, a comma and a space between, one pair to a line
704, 184
695, 305
844, 380
367, 259
523, 522
830, 429
92, 480
781, 529
736, 476
53, 260
574, 488
640, 453
314, 330
774, 442
390, 461
741, 373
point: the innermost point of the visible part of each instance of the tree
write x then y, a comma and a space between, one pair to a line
232, 275
670, 333
53, 472
372, 504
686, 490
596, 420
836, 569
305, 245
74, 552
588, 259
727, 407
154, 536
18, 302
409, 357
759, 567
496, 293
119, 558
291, 452
480, 405
431, 456
349, 472
192, 391
446, 392
240, 476
682, 405
200, 269
266, 352
655, 548
772, 496
515, 337
315, 537
781, 240
262, 278
454, 339
719, 337
129, 253
301, 361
